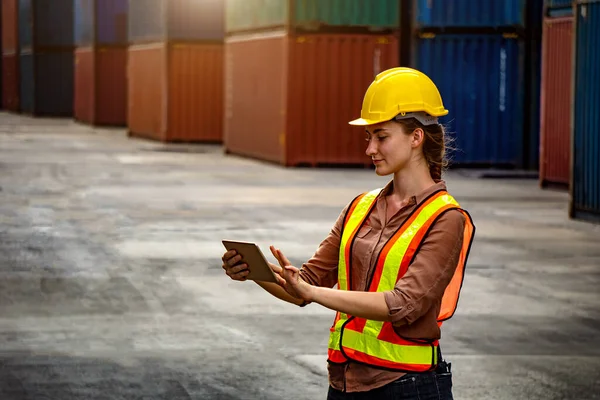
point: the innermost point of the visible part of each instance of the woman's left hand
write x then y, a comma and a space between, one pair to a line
289, 278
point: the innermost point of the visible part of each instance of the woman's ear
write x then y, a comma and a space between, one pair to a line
417, 138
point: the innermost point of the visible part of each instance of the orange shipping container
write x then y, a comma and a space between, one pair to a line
289, 98
176, 92
555, 146
10, 26
100, 96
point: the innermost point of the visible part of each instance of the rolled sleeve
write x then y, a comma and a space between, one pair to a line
427, 277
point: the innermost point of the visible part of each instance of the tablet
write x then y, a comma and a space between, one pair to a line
251, 255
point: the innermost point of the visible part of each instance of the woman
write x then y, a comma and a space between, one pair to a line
397, 254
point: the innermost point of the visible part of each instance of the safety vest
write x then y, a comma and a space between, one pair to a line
376, 343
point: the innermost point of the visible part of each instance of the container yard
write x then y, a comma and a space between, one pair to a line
137, 135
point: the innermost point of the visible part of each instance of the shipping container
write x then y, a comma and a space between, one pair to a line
481, 80
176, 92
47, 83
25, 25
10, 27
111, 22
101, 85
585, 181
253, 15
556, 102
559, 3
101, 22
176, 20
470, 13
289, 98
46, 24
84, 22
10, 82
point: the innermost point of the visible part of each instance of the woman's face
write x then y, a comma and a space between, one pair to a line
390, 147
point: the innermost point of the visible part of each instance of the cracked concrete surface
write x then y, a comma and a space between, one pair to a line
111, 285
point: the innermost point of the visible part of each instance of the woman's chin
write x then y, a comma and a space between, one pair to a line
381, 171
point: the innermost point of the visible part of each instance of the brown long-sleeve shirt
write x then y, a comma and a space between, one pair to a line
415, 302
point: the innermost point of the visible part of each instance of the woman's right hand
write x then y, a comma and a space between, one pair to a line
233, 268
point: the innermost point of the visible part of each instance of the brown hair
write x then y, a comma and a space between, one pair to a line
435, 145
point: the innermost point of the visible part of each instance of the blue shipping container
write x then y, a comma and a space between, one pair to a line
46, 23
25, 25
84, 22
47, 83
470, 13
585, 202
157, 20
111, 21
480, 78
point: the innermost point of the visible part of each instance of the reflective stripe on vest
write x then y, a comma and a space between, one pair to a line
375, 342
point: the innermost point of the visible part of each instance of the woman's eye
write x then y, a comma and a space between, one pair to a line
381, 138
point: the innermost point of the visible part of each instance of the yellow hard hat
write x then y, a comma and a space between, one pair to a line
403, 93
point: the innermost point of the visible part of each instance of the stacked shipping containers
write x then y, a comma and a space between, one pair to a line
482, 55
100, 95
296, 73
10, 55
175, 70
555, 118
46, 57
585, 181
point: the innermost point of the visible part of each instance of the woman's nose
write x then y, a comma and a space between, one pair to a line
371, 149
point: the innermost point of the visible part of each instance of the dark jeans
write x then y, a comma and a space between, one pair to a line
419, 386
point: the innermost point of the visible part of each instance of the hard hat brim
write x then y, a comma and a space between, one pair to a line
363, 122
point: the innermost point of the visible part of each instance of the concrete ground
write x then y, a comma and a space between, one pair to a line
111, 284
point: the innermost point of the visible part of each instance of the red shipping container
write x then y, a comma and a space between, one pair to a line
176, 92
555, 125
100, 96
289, 98
10, 26
10, 82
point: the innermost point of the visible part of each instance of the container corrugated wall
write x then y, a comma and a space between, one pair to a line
256, 76
53, 23
480, 78
469, 13
323, 94
10, 30
10, 55
47, 83
10, 82
111, 22
585, 189
85, 85
252, 15
101, 85
559, 3
27, 82
146, 90
195, 90
271, 116
111, 86
556, 100
186, 81
84, 22
25, 25
146, 20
